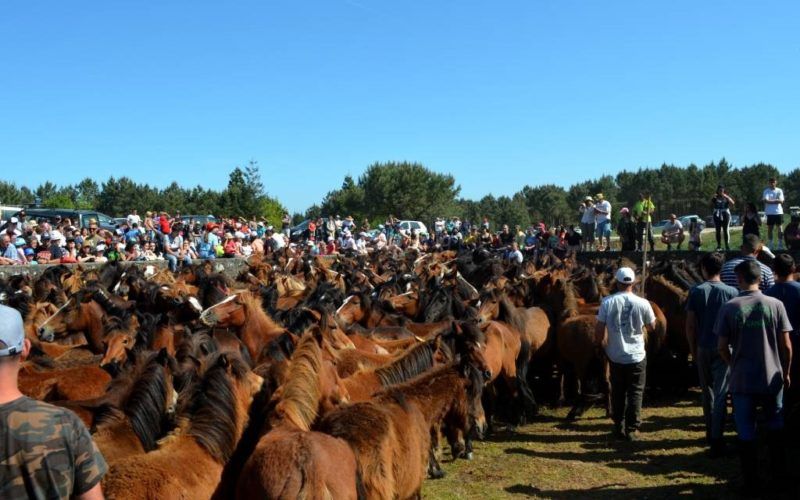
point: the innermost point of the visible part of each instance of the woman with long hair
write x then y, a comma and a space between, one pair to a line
721, 204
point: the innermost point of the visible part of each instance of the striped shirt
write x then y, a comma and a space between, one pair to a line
729, 276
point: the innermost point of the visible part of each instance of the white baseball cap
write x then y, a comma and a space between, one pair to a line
12, 334
625, 275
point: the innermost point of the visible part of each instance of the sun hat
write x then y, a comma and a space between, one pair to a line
625, 275
588, 198
228, 236
12, 333
624, 210
28, 251
13, 220
100, 247
20, 242
599, 196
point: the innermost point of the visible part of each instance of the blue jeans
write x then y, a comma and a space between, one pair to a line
745, 407
713, 373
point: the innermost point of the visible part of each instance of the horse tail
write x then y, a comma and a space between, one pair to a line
361, 491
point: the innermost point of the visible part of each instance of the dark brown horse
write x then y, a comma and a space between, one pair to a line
189, 462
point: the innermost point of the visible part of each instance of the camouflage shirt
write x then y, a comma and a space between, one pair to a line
45, 452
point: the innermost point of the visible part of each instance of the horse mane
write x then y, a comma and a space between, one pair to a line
211, 406
438, 380
145, 404
570, 305
300, 394
508, 312
417, 359
670, 286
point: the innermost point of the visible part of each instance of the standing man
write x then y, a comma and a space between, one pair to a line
621, 322
787, 290
702, 306
751, 245
643, 215
588, 219
773, 207
45, 450
602, 211
753, 332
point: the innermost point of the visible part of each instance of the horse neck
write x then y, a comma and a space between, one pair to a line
434, 393
91, 315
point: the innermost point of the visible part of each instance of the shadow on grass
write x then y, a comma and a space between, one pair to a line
617, 491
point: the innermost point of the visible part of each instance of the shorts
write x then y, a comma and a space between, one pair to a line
604, 229
775, 220
587, 231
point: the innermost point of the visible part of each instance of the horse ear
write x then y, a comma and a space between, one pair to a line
223, 361
163, 356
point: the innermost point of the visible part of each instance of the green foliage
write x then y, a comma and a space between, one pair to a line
405, 190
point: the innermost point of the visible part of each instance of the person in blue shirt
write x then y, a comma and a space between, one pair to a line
702, 306
787, 290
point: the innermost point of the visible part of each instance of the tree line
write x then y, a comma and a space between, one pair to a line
412, 191
244, 196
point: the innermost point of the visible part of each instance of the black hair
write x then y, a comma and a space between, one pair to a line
712, 263
750, 243
784, 265
749, 271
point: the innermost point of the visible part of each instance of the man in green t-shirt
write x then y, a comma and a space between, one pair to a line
643, 215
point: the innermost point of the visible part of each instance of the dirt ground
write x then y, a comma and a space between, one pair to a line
553, 459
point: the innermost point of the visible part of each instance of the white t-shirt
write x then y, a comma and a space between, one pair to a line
625, 316
773, 195
588, 214
279, 241
134, 218
515, 256
604, 206
672, 228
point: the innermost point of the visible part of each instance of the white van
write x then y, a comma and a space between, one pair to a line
408, 225
6, 212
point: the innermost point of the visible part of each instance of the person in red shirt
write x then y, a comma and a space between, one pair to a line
163, 221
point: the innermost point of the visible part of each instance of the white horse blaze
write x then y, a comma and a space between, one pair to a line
346, 301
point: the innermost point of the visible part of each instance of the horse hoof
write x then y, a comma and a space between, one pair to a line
469, 456
436, 474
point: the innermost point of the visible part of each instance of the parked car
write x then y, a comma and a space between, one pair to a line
686, 221
199, 219
7, 212
408, 225
659, 225
121, 220
298, 232
80, 218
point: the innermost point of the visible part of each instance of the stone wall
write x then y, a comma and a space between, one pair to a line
230, 267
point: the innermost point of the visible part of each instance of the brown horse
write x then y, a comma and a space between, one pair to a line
391, 433
38, 314
672, 300
244, 313
76, 317
578, 349
416, 360
291, 461
139, 420
189, 462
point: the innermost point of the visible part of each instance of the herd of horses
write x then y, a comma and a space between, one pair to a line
315, 378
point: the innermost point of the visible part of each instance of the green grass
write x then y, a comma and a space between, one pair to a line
552, 459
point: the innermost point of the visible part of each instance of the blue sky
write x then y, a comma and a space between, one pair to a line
500, 94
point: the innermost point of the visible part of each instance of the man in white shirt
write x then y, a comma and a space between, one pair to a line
602, 211
621, 322
514, 255
133, 218
773, 208
587, 223
673, 232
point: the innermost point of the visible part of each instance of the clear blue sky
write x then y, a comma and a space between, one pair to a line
500, 94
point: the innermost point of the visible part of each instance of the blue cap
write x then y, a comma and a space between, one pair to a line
11, 331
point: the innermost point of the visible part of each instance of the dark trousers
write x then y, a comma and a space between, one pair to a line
627, 389
641, 228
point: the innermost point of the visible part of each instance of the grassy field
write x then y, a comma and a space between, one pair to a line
553, 459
